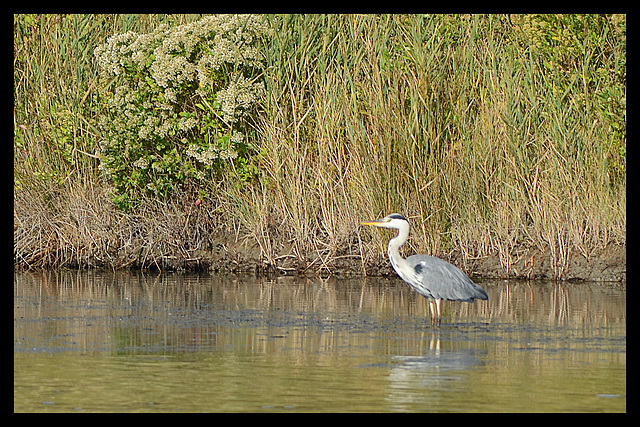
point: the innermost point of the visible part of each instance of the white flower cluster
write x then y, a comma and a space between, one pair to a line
141, 163
187, 123
114, 55
164, 76
170, 56
238, 97
169, 70
211, 154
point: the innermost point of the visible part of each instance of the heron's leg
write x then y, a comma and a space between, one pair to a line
439, 310
432, 310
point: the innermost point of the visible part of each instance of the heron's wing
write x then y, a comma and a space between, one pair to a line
444, 280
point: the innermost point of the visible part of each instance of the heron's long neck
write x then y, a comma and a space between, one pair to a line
399, 264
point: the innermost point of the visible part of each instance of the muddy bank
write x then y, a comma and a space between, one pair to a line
607, 265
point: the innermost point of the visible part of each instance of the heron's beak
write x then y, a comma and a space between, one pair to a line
376, 222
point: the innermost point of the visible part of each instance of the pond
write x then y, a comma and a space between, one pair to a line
87, 341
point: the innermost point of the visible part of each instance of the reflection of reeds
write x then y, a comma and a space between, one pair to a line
115, 311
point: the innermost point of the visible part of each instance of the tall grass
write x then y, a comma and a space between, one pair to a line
492, 134
55, 96
454, 121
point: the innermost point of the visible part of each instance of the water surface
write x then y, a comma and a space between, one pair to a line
103, 341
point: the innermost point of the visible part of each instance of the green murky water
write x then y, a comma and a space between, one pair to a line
98, 341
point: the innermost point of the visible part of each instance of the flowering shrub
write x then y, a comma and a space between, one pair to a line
178, 103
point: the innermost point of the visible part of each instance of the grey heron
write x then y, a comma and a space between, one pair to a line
431, 277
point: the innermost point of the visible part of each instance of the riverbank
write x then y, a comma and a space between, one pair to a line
603, 265
80, 228
502, 138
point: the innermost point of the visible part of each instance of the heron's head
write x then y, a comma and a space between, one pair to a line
393, 220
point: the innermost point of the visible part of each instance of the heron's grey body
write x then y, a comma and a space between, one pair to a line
442, 280
432, 277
